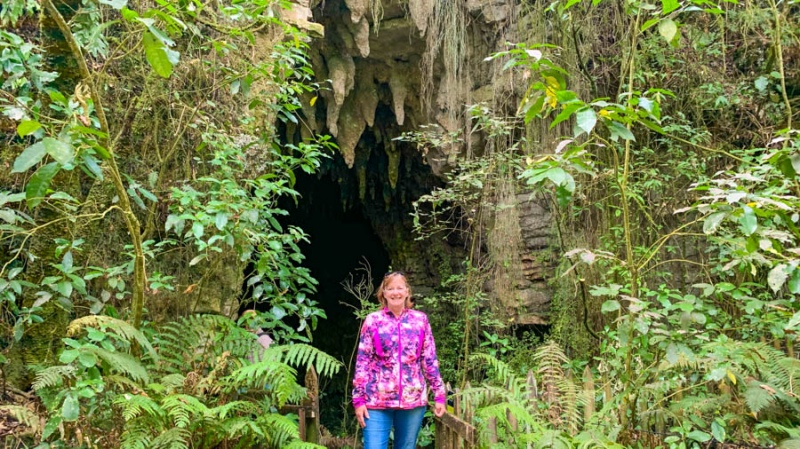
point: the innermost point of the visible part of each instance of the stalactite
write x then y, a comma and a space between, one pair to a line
398, 85
341, 70
351, 125
393, 153
366, 94
360, 33
421, 11
358, 8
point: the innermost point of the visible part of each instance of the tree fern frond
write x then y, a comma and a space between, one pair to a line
756, 397
236, 407
121, 362
136, 437
125, 383
24, 415
134, 404
183, 407
174, 438
279, 430
52, 376
279, 376
298, 444
121, 328
502, 372
791, 443
791, 432
173, 381
589, 439
304, 355
553, 439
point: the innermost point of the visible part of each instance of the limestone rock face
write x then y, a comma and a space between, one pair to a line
387, 67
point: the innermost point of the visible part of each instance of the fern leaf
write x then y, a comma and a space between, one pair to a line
121, 328
183, 407
52, 376
121, 362
24, 415
756, 397
136, 437
133, 405
174, 438
306, 356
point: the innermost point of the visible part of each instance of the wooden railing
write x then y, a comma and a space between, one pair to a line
454, 429
308, 410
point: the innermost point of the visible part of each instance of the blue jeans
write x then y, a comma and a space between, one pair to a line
406, 425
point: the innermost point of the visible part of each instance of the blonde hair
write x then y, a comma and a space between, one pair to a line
388, 277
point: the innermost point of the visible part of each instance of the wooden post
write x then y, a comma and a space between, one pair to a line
588, 391
312, 432
491, 426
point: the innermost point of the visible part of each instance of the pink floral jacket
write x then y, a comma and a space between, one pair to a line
395, 357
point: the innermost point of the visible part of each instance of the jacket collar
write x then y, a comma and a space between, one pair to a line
388, 312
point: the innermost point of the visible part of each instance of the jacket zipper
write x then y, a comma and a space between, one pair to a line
400, 361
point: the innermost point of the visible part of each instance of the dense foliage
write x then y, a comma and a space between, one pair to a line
145, 179
675, 192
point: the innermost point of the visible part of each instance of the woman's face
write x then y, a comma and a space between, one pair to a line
395, 292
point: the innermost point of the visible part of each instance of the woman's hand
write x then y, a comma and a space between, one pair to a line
361, 415
439, 409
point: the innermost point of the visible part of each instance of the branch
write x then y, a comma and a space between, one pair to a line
139, 277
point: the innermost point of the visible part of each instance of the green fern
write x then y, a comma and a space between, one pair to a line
123, 329
303, 355
134, 405
174, 438
120, 362
24, 415
53, 376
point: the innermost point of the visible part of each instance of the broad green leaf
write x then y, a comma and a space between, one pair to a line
718, 431
586, 119
37, 187
71, 408
68, 356
748, 221
64, 288
611, 305
58, 150
116, 4
66, 261
221, 220
28, 127
92, 166
794, 281
197, 229
713, 221
777, 277
29, 157
156, 54
669, 5
668, 29
793, 322
649, 23
87, 359
761, 83
617, 131
557, 176
8, 215
699, 435
566, 113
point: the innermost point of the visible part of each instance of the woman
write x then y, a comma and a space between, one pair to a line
396, 355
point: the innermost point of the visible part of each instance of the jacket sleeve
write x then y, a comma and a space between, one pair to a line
365, 354
430, 365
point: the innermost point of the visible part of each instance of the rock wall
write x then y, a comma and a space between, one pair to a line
423, 60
